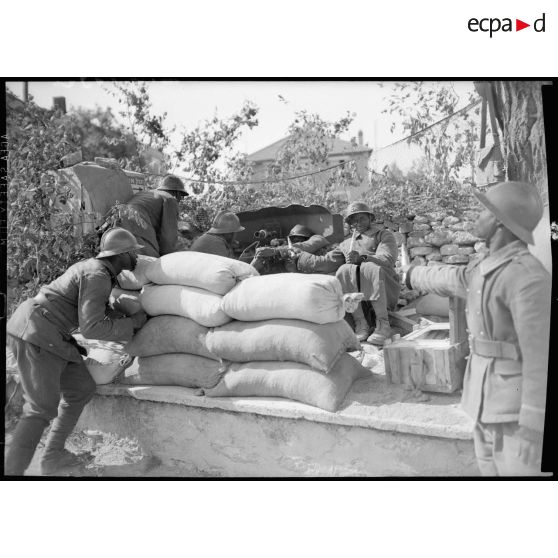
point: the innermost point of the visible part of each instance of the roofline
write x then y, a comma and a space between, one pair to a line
329, 155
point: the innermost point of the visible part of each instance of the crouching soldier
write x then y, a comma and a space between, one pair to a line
363, 263
508, 317
55, 381
220, 237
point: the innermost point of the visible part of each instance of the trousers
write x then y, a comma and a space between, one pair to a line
498, 451
53, 388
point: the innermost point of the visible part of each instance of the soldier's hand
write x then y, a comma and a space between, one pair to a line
530, 445
353, 257
265, 252
138, 319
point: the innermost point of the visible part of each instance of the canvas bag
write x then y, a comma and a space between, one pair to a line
136, 279
196, 269
292, 381
199, 305
317, 345
169, 334
183, 370
311, 297
105, 359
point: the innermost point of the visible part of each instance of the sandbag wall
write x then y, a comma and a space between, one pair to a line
217, 325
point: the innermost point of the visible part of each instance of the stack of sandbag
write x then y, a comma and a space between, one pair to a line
184, 299
289, 340
125, 297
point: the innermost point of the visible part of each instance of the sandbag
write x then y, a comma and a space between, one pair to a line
169, 334
292, 381
136, 279
126, 302
317, 345
196, 269
105, 364
309, 297
183, 370
433, 305
199, 305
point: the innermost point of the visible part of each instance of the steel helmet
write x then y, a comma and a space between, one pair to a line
171, 183
117, 241
301, 230
357, 207
225, 222
517, 205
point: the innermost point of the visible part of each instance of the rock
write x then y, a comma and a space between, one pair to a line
451, 220
464, 237
399, 238
418, 260
480, 246
465, 250
437, 216
421, 227
421, 219
417, 234
436, 256
449, 249
439, 238
416, 242
435, 262
391, 225
405, 227
420, 251
463, 226
456, 226
456, 259
435, 224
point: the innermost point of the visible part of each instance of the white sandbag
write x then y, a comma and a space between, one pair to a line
136, 279
310, 297
196, 269
292, 381
318, 345
199, 305
126, 302
170, 334
105, 362
183, 370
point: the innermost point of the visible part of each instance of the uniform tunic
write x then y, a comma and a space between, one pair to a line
210, 243
508, 317
159, 210
380, 248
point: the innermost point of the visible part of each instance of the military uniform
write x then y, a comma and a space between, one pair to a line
53, 375
210, 243
159, 210
508, 317
378, 270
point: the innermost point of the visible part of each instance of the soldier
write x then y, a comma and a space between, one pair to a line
158, 209
366, 263
508, 317
220, 237
55, 380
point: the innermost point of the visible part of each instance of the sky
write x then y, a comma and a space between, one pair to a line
189, 103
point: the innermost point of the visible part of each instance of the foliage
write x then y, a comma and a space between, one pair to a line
41, 236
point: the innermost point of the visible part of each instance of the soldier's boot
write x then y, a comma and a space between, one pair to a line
21, 449
65, 463
383, 329
361, 325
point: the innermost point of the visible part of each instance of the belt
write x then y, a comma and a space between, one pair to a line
493, 349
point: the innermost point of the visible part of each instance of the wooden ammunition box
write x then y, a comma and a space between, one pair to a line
431, 358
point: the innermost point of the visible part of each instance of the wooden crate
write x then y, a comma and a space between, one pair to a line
431, 358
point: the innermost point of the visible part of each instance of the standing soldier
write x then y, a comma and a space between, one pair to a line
366, 263
56, 383
158, 209
220, 237
508, 317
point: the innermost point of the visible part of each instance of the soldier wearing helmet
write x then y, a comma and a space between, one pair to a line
55, 380
363, 262
508, 317
157, 226
220, 237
